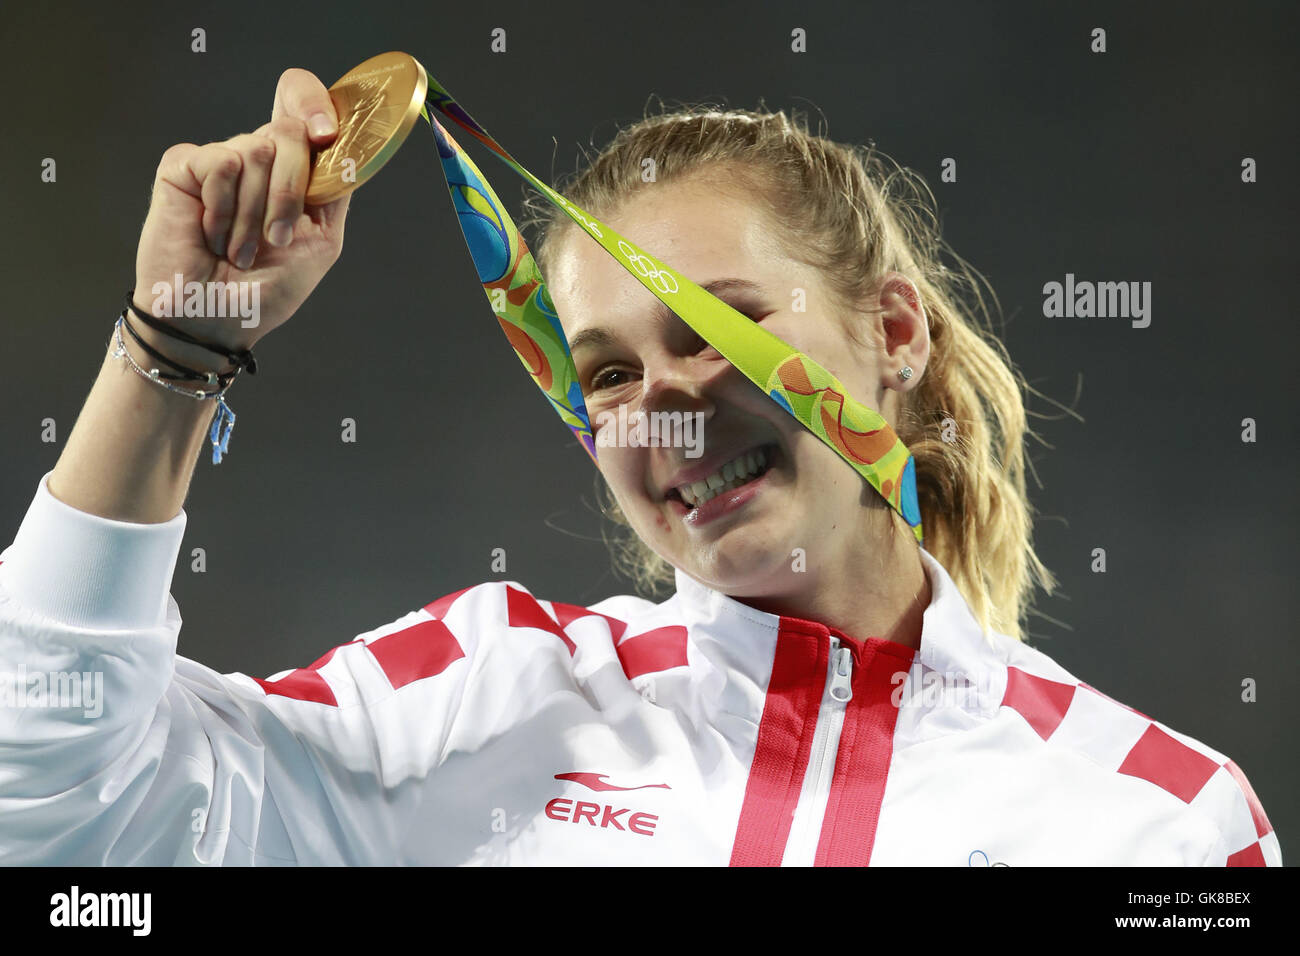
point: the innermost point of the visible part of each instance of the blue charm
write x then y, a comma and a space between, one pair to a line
221, 436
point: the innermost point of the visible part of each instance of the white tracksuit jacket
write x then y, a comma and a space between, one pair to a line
494, 727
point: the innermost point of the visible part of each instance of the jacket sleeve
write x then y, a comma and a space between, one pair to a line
114, 750
1246, 837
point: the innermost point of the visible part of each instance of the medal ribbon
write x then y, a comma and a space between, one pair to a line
523, 307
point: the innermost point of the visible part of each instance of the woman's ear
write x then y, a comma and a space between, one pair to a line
906, 328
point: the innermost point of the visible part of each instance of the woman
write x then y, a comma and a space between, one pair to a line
818, 689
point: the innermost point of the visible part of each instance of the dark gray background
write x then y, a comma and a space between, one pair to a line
1122, 166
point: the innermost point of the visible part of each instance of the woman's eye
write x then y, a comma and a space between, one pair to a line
605, 378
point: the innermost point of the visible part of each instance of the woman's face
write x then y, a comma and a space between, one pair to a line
742, 541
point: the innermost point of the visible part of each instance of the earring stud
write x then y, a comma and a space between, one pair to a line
905, 372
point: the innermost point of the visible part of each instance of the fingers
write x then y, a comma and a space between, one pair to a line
210, 175
259, 204
290, 173
257, 153
301, 96
216, 168
252, 186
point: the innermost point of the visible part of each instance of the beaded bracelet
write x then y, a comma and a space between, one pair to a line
224, 421
186, 374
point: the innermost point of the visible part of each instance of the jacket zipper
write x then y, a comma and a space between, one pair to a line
810, 812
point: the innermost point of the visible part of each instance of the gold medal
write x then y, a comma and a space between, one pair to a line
377, 103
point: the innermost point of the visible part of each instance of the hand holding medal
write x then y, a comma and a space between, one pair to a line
377, 103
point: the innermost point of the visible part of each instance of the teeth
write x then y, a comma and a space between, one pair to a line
733, 474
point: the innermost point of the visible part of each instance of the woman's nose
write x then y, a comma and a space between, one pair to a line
681, 383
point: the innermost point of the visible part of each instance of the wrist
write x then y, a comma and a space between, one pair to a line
190, 356
208, 340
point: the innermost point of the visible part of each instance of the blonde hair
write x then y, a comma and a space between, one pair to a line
857, 216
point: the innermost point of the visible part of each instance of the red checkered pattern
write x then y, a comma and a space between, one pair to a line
423, 649
305, 683
1156, 756
655, 650
428, 647
1252, 854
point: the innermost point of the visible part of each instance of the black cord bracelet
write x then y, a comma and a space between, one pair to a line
243, 358
186, 374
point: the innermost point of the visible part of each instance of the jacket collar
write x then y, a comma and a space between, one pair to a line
952, 642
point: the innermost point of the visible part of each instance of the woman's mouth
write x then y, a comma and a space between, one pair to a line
730, 486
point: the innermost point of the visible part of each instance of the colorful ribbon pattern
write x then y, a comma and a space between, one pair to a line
523, 307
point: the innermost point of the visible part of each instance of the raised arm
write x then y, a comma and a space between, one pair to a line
115, 749
224, 212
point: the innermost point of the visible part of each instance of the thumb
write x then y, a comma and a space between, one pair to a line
301, 95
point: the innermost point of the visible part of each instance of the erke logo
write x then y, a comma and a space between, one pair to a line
566, 810
596, 781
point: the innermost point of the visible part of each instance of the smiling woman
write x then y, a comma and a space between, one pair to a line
836, 252
821, 687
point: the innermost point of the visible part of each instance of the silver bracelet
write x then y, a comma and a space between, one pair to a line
224, 421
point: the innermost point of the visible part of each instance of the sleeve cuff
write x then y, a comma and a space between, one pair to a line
89, 571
